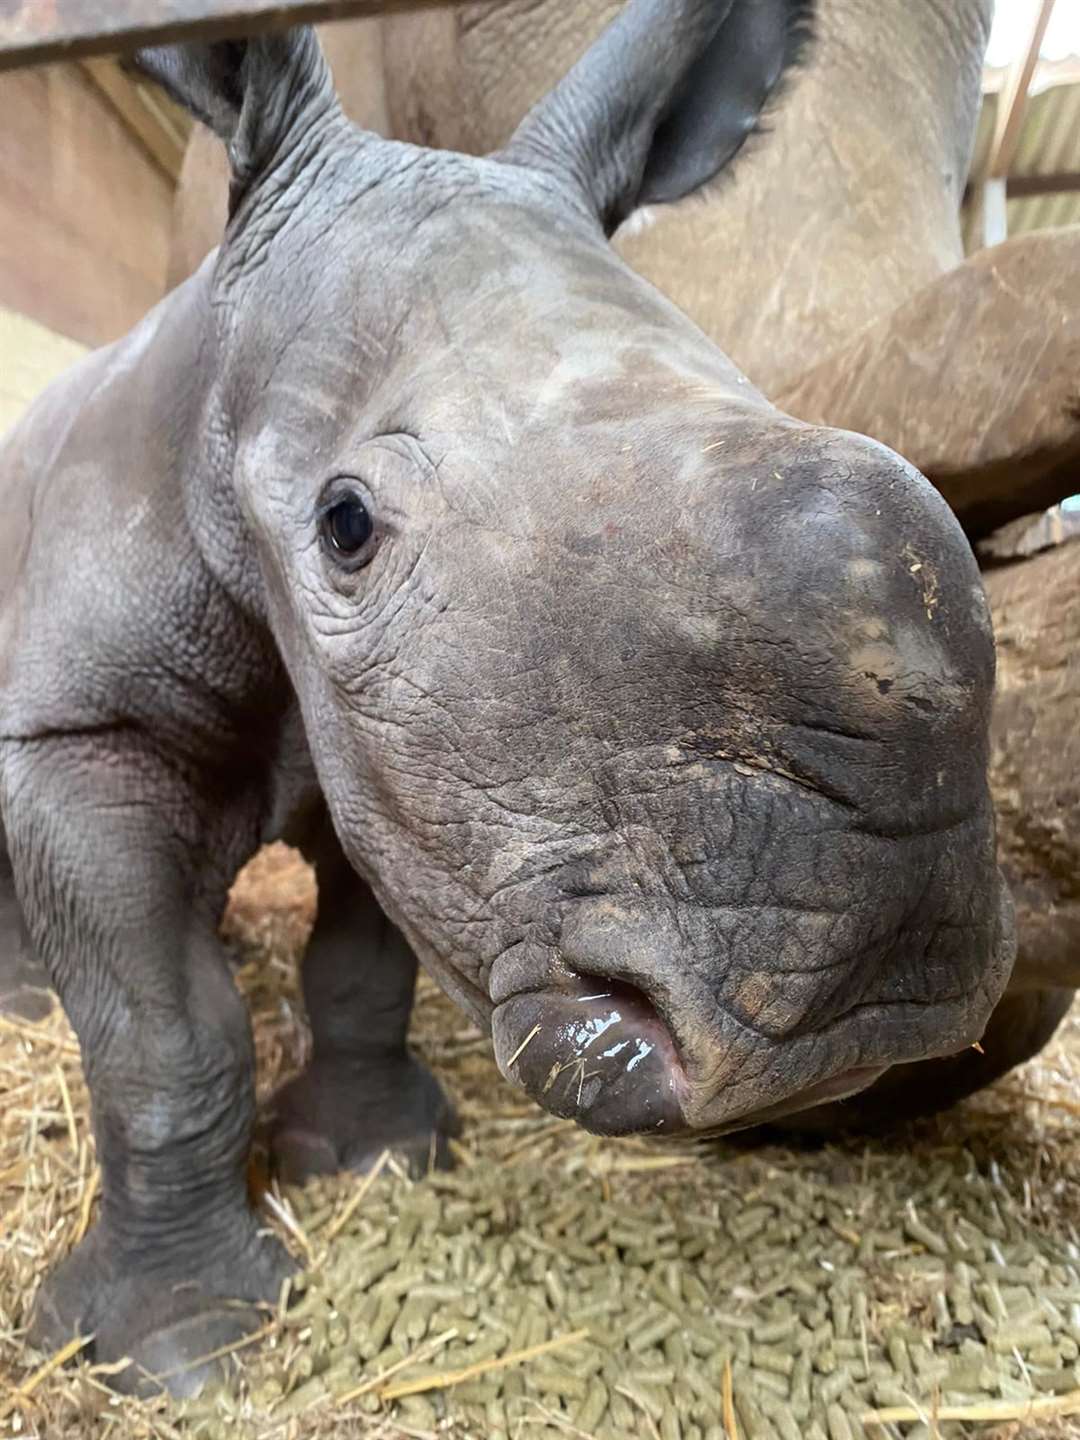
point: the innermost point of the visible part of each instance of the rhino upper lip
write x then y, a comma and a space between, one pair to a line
625, 1007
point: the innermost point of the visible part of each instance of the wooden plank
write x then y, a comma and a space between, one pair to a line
151, 117
35, 31
1012, 102
1022, 187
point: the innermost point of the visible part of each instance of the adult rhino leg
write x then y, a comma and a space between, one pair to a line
364, 1091
1019, 1028
121, 865
24, 985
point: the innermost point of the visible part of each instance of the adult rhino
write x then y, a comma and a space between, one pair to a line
419, 530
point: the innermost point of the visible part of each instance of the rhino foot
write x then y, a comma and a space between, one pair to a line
170, 1321
341, 1114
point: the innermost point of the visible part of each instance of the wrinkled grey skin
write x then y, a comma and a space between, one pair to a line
654, 722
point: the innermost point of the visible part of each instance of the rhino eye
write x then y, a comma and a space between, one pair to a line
346, 527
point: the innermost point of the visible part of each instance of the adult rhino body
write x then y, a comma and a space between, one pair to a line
832, 270
849, 207
418, 529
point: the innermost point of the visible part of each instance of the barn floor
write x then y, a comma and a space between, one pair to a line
866, 1233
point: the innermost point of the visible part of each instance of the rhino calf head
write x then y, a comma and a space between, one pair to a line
656, 720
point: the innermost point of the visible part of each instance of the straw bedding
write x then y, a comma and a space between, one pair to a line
556, 1284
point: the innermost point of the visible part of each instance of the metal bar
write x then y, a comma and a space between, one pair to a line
35, 31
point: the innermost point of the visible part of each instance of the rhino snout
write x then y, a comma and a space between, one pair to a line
629, 1027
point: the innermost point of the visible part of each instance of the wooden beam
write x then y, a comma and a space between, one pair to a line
160, 127
1012, 101
35, 31
1022, 187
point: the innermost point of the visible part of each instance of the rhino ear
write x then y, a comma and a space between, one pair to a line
663, 100
260, 96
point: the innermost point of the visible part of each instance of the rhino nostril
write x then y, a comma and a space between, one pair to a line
604, 944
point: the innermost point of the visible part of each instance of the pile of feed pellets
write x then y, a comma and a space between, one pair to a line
749, 1300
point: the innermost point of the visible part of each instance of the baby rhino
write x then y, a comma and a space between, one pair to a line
417, 530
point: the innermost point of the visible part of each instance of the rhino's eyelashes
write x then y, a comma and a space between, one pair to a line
346, 527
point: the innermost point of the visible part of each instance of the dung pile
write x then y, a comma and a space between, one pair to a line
558, 1285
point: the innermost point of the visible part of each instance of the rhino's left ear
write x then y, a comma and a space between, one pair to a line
663, 100
262, 97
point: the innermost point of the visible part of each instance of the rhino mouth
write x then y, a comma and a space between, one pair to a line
599, 1052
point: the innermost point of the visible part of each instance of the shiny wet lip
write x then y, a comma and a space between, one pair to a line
623, 1002
630, 1003
617, 1002
593, 1050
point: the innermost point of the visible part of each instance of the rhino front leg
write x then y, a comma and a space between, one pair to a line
24, 986
117, 860
364, 1091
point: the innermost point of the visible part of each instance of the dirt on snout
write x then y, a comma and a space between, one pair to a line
559, 1285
